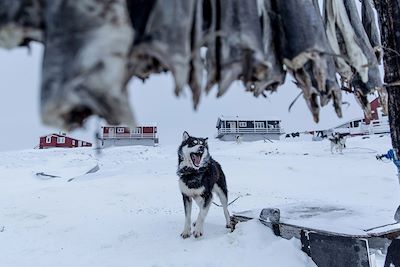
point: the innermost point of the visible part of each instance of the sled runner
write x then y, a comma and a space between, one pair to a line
326, 244
47, 176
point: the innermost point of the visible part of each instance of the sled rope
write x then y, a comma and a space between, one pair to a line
218, 205
369, 149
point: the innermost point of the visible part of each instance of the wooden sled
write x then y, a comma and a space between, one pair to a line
326, 247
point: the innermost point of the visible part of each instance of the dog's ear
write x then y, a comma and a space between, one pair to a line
185, 136
205, 140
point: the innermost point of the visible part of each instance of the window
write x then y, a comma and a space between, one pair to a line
120, 130
259, 124
61, 140
73, 142
48, 139
242, 124
136, 130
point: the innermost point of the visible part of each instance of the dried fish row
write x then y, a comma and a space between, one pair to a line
93, 48
306, 52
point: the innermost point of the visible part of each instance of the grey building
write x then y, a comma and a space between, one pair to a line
145, 135
245, 129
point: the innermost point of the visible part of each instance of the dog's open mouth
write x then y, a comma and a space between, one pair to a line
196, 158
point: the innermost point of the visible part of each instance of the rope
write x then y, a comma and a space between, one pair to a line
357, 147
228, 203
294, 101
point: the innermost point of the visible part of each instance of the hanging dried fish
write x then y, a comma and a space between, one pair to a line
85, 68
374, 78
275, 75
370, 27
241, 54
164, 43
304, 51
196, 63
212, 42
333, 89
341, 37
141, 65
20, 22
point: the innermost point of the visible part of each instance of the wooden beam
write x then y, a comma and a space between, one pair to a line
389, 18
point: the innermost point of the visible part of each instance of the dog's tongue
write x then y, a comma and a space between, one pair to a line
196, 159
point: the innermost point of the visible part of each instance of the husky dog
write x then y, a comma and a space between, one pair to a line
199, 176
338, 143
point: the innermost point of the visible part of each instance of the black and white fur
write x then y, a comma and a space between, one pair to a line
199, 176
338, 143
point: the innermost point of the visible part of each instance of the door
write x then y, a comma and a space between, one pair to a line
232, 126
111, 132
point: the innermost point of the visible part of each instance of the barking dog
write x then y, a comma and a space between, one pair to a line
199, 176
338, 143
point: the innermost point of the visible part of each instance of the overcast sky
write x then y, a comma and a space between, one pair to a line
152, 101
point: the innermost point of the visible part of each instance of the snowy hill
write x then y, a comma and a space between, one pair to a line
130, 212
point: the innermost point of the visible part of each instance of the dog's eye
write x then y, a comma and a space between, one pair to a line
195, 142
201, 142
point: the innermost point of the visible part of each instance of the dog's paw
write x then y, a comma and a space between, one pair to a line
185, 234
197, 233
194, 224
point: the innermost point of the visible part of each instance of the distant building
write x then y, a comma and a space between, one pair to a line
232, 128
61, 140
145, 135
378, 124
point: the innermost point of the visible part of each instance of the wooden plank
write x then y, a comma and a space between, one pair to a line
289, 230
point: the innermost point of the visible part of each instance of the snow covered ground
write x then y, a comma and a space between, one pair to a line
130, 212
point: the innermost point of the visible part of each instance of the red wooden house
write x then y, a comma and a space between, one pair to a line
126, 136
376, 110
61, 140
